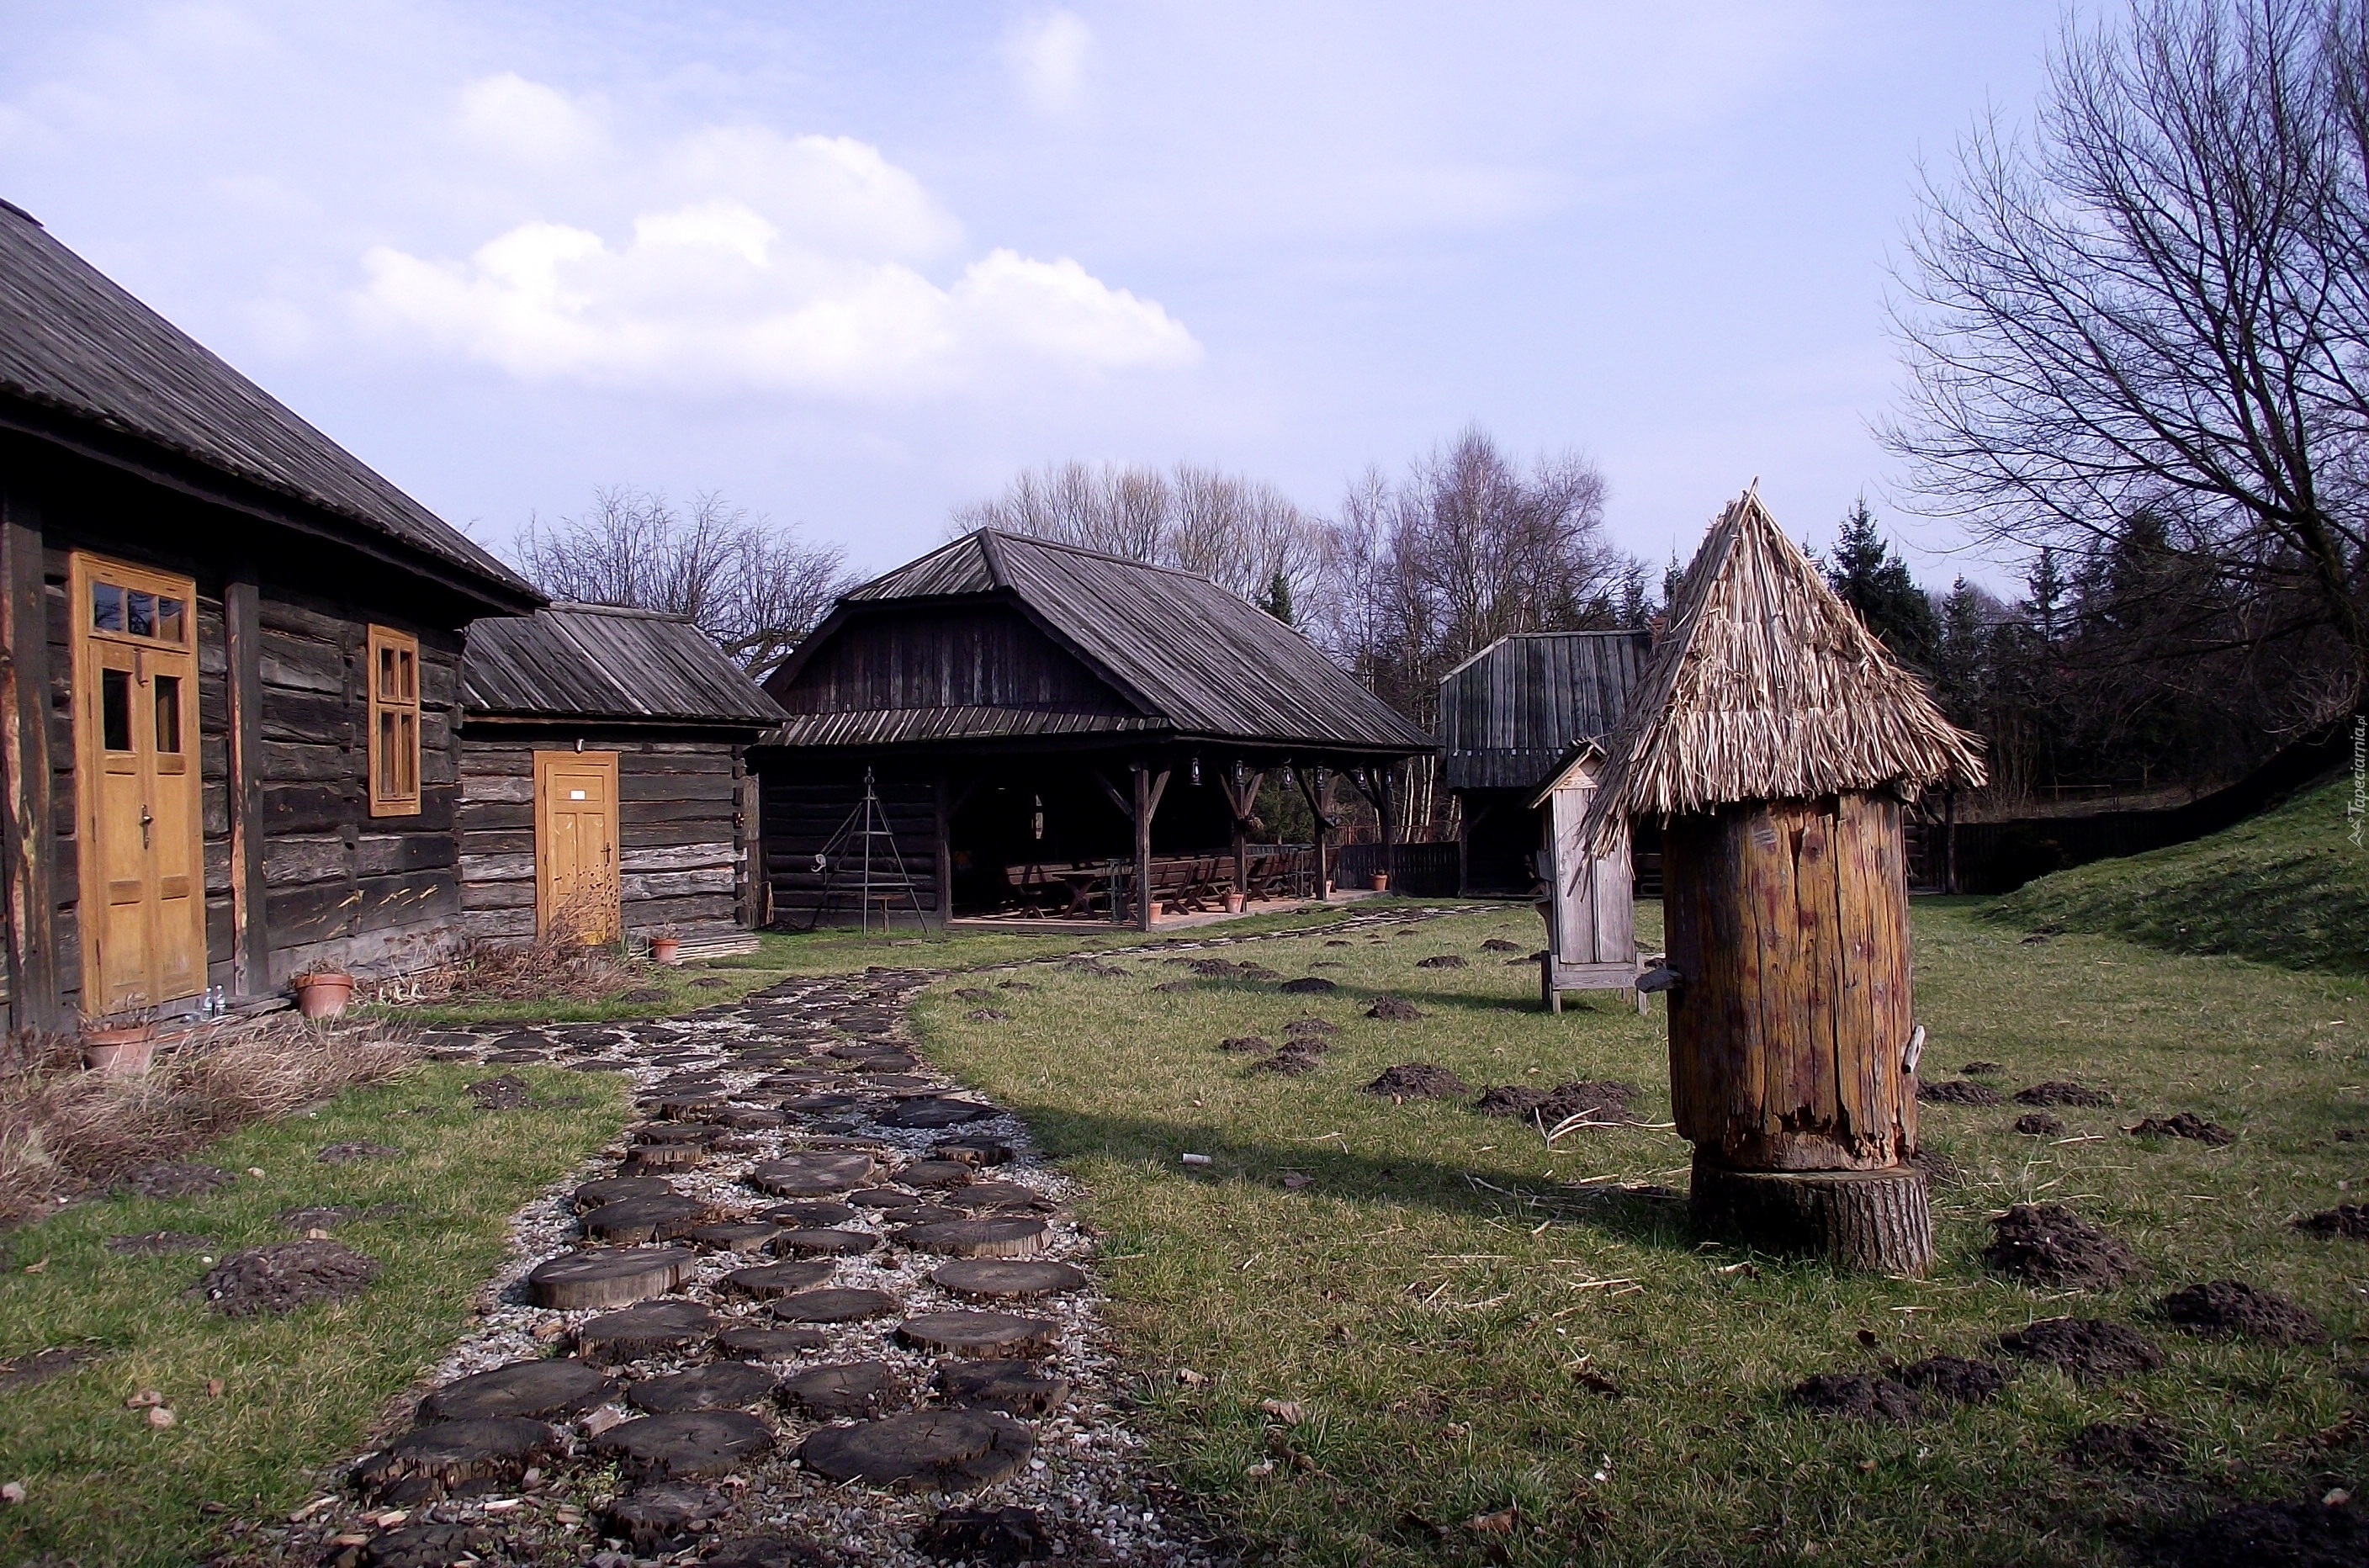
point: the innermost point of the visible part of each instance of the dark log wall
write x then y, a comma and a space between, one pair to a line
949, 659
806, 804
1788, 925
680, 823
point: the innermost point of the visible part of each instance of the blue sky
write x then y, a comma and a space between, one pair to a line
855, 264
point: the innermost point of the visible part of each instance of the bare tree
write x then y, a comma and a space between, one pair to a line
2154, 306
755, 590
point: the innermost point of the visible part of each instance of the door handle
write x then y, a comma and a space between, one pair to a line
146, 817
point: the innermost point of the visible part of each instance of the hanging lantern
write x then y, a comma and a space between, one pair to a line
1037, 820
1197, 773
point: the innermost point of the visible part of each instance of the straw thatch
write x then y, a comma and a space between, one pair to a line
1765, 687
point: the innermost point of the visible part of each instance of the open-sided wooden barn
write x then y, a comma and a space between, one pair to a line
229, 709
1510, 719
1048, 729
604, 789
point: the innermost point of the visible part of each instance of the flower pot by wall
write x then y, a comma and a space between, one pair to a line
323, 995
126, 1050
1234, 903
666, 949
1381, 882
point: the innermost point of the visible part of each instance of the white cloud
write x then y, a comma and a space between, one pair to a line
1047, 56
751, 262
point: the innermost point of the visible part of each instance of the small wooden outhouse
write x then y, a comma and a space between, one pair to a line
1587, 896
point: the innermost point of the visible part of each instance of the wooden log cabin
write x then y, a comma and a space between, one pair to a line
604, 785
1776, 741
1046, 729
1511, 719
229, 711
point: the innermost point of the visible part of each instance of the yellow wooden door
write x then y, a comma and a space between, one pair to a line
576, 881
138, 816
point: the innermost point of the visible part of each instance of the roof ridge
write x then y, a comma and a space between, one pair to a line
1042, 543
593, 607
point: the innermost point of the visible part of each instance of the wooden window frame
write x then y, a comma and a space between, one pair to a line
400, 704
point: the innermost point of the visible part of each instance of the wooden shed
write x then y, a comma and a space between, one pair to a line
1510, 720
1589, 893
1055, 731
229, 708
1775, 740
604, 785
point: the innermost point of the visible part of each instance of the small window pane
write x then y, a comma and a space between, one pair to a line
408, 664
168, 713
388, 782
139, 618
105, 607
171, 621
115, 709
407, 752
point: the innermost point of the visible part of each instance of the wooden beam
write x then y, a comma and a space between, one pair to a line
250, 962
1319, 792
1119, 802
943, 799
33, 999
1142, 814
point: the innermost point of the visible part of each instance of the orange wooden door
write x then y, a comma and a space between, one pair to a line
138, 811
575, 880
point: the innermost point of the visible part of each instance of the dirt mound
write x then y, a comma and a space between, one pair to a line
284, 1275
2047, 1243
2224, 1308
2056, 1092
1418, 1080
1441, 961
1294, 1060
1957, 1092
1859, 1396
1246, 1043
2189, 1125
1307, 985
1499, 945
986, 1535
2038, 1124
2345, 1220
1956, 1378
1311, 1026
173, 1178
508, 1093
2090, 1349
2307, 1534
1603, 1100
1977, 1068
1392, 1010
2142, 1447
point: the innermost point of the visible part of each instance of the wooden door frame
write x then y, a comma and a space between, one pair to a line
543, 761
90, 758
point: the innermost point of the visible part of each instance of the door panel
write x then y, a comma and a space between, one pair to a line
137, 784
575, 872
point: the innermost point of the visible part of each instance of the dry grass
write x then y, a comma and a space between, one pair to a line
62, 1129
1767, 687
553, 970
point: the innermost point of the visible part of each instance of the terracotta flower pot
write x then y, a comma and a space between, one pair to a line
1381, 882
124, 1049
323, 995
1234, 903
666, 949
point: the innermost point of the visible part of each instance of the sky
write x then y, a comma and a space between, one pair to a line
853, 264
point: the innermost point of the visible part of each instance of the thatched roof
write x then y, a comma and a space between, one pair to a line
1767, 687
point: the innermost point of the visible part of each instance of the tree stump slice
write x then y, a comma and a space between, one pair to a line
824, 1105
883, 1197
653, 1519
855, 1389
428, 1546
617, 1337
976, 1238
811, 1175
522, 1387
766, 1280
732, 1235
429, 1461
1007, 1278
763, 1344
686, 1445
719, 1385
936, 1173
607, 1277
931, 1113
1010, 1387
690, 1102
973, 1152
632, 1219
700, 1133
840, 1306
932, 1450
809, 1215
825, 1242
617, 1189
1879, 1220
980, 1336
1010, 1196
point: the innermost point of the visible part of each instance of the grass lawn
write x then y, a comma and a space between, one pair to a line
298, 1391
1469, 1321
2290, 886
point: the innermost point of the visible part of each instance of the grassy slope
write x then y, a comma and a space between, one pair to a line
300, 1390
2290, 886
1432, 1327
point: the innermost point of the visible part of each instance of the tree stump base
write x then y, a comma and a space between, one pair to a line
1879, 1220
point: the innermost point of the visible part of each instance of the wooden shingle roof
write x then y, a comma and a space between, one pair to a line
77, 347
1510, 714
1193, 660
596, 661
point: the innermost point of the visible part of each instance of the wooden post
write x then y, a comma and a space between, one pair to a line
942, 801
1949, 841
1147, 801
1788, 928
1319, 793
243, 635
1384, 778
24, 739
